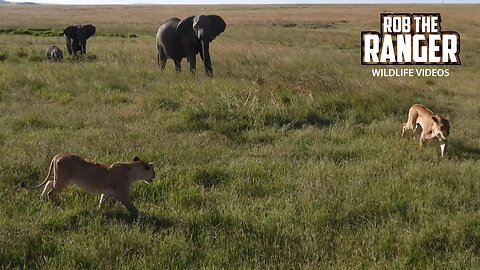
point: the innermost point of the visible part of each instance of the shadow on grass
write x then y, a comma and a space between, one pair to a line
235, 123
73, 220
150, 221
290, 121
157, 223
463, 151
70, 221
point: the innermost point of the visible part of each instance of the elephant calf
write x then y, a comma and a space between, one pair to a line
54, 53
76, 38
177, 39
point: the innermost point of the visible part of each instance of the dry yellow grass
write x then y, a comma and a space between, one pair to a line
147, 18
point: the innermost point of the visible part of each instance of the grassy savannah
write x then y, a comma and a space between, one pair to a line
289, 157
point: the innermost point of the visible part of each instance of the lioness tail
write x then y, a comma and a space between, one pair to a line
24, 185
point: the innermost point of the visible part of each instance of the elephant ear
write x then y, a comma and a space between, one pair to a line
217, 24
85, 31
70, 31
90, 29
185, 26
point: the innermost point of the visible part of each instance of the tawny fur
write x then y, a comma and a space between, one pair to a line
114, 180
428, 124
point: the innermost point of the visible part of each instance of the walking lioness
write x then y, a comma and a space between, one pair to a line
421, 119
113, 180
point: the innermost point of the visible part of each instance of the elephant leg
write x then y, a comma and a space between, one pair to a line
84, 47
178, 64
75, 48
68, 43
206, 59
74, 52
189, 49
193, 63
162, 58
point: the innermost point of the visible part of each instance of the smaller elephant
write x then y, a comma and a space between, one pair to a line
76, 38
54, 53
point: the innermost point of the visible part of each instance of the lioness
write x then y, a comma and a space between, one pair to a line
421, 119
96, 178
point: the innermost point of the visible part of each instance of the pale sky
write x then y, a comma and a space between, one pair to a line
177, 2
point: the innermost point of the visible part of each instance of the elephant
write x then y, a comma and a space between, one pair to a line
177, 39
54, 53
76, 38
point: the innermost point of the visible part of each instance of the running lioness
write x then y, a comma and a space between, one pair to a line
421, 119
96, 178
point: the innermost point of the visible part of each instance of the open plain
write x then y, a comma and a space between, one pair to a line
290, 157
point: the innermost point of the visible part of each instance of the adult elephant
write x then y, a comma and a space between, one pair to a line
76, 37
177, 39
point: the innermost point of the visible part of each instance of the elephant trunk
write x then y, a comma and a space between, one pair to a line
206, 58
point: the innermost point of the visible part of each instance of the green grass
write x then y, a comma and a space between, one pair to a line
289, 157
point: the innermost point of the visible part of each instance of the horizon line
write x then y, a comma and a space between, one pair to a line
247, 2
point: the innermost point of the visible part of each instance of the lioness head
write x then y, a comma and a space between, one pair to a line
441, 127
142, 170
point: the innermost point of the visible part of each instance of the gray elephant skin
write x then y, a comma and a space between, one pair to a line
54, 53
76, 38
177, 39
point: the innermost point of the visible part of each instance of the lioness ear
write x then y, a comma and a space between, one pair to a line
435, 119
150, 164
136, 158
